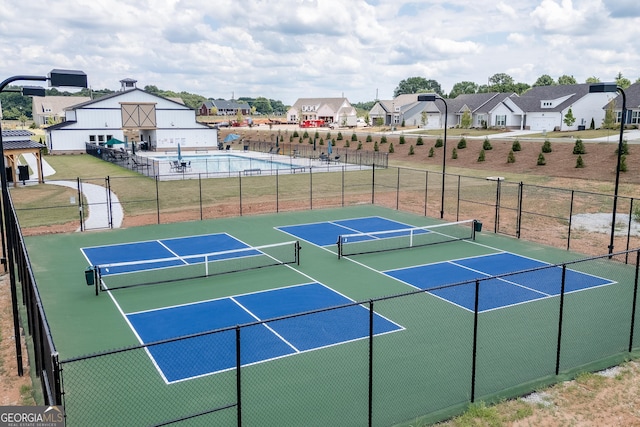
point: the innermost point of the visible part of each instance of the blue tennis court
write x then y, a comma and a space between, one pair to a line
212, 353
168, 252
498, 292
327, 233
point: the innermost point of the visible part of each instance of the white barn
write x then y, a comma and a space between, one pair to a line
133, 116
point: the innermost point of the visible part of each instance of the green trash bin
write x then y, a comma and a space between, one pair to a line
477, 226
89, 276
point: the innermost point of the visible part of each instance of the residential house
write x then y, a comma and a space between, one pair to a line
545, 107
632, 94
406, 108
220, 107
50, 109
328, 110
130, 115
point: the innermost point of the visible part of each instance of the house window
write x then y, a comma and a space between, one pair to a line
92, 138
501, 120
480, 119
635, 117
100, 138
618, 116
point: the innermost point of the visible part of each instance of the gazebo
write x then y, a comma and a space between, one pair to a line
16, 143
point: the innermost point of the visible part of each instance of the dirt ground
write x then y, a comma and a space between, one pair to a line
591, 400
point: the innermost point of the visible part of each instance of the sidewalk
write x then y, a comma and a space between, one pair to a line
97, 216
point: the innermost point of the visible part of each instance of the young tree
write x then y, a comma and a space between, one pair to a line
402, 141
481, 156
431, 152
391, 150
486, 145
383, 139
578, 147
454, 153
411, 151
462, 143
419, 141
541, 160
546, 146
511, 158
424, 118
569, 118
609, 121
465, 120
439, 143
579, 162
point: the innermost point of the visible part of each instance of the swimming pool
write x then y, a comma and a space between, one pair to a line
228, 163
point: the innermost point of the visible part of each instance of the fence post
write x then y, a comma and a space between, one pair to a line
570, 217
57, 381
398, 191
626, 255
475, 342
158, 197
371, 362
200, 194
635, 297
426, 188
343, 186
373, 183
80, 204
109, 201
519, 214
496, 225
558, 348
458, 202
238, 378
278, 190
310, 187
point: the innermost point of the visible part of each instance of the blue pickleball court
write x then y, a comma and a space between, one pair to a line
496, 292
212, 353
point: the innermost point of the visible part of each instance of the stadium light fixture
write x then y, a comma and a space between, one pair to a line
71, 78
431, 97
613, 87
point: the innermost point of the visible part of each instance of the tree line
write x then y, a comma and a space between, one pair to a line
500, 82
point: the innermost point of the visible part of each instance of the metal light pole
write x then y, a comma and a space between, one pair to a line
55, 78
613, 87
432, 97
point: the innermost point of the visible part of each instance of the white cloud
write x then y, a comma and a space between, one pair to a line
294, 48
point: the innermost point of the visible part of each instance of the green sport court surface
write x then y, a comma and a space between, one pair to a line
422, 353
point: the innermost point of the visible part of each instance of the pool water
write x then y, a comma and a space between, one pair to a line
226, 163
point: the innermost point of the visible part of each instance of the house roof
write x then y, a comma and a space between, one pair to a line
16, 133
55, 104
633, 97
333, 103
21, 145
116, 94
221, 104
531, 100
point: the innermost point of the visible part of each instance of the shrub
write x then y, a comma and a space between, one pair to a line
369, 139
516, 146
383, 140
454, 153
316, 135
623, 163
541, 160
346, 144
593, 124
354, 137
305, 135
402, 123
391, 148
486, 145
579, 162
321, 141
431, 152
625, 147
411, 152
578, 147
462, 143
359, 146
481, 156
546, 147
290, 138
402, 141
511, 158
439, 143
419, 141
339, 137
295, 134
636, 213
375, 146
328, 135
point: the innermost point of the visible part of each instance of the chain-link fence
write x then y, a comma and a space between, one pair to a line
430, 368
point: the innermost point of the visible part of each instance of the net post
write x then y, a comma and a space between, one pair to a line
473, 229
297, 245
97, 278
206, 265
339, 243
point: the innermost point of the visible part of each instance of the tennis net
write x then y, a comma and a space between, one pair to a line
147, 272
388, 240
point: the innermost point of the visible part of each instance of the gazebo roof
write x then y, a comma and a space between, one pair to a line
26, 144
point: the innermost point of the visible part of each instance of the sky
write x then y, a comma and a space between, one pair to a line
290, 49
